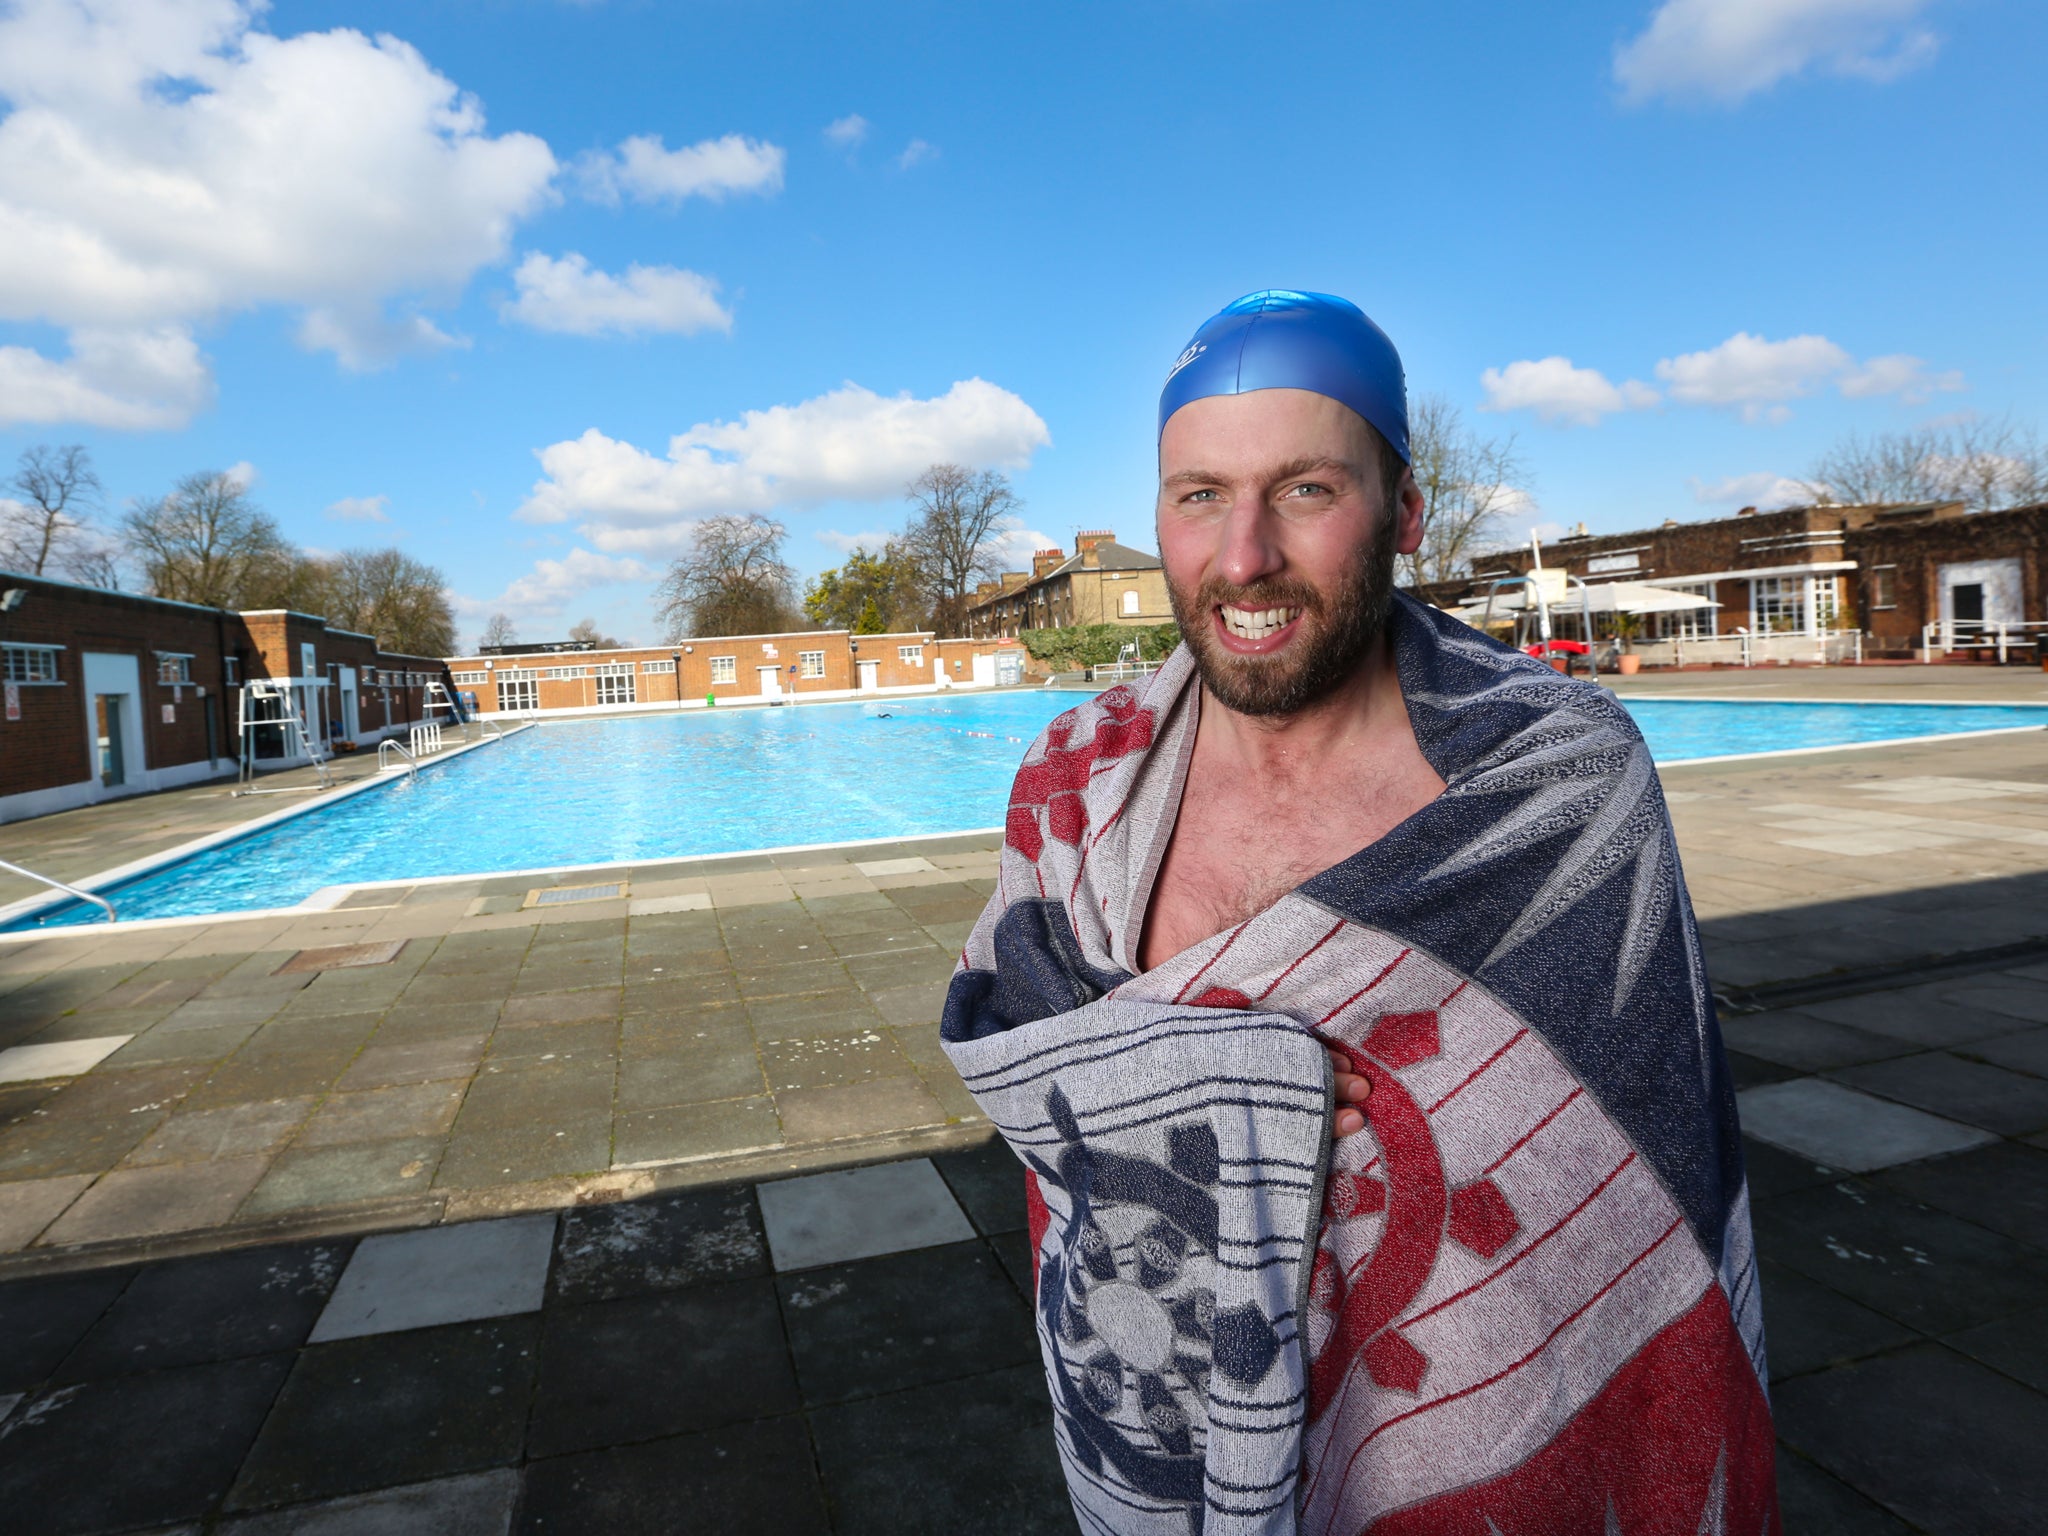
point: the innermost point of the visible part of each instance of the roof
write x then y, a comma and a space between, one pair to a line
1110, 556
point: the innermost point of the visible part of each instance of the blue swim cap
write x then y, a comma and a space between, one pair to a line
1280, 339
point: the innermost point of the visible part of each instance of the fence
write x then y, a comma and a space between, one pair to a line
1746, 650
1978, 635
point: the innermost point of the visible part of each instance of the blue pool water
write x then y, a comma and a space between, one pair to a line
668, 786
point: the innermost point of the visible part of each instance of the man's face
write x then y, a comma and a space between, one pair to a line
1278, 548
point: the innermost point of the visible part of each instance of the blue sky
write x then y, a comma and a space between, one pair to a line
457, 273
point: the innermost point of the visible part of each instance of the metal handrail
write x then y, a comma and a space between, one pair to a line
392, 744
69, 890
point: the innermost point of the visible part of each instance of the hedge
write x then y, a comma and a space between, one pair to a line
1096, 645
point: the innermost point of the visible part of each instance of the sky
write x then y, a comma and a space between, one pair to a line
528, 287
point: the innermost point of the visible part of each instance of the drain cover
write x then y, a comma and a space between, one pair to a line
337, 957
562, 893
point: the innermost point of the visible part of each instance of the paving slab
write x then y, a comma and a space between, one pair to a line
456, 1274
63, 1058
478, 1504
1845, 1128
42, 1320
134, 1203
338, 1177
28, 1206
756, 1479
661, 1243
857, 1213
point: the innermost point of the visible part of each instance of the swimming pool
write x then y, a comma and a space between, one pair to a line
645, 787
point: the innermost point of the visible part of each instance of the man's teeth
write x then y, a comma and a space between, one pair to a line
1257, 623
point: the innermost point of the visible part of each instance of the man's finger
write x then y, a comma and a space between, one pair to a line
1348, 1123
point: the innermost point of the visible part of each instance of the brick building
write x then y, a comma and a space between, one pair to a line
110, 694
1883, 573
830, 663
1102, 582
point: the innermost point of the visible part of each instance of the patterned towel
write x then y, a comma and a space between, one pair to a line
1523, 1301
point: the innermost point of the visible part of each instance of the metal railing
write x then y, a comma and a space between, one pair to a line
1118, 671
392, 744
1948, 635
1743, 649
69, 890
426, 738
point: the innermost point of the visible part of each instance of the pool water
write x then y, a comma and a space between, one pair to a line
644, 787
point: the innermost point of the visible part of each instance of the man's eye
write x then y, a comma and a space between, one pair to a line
1308, 489
1200, 496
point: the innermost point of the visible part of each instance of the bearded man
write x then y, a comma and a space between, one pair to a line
1342, 999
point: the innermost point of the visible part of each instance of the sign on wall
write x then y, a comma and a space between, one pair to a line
14, 701
1602, 563
170, 714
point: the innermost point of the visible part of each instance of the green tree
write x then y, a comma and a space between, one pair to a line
885, 586
870, 621
732, 580
207, 543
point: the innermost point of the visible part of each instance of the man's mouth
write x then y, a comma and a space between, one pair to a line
1256, 624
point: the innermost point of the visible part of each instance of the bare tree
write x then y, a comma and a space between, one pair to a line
731, 581
954, 537
1468, 485
40, 533
499, 631
381, 592
1983, 464
586, 629
206, 542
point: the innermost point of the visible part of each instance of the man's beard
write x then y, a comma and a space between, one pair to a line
1332, 640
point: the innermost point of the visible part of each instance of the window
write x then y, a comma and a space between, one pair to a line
658, 666
517, 675
29, 663
233, 664
725, 669
1827, 601
910, 655
471, 677
810, 663
615, 684
562, 672
1884, 589
518, 693
1130, 600
1777, 604
1687, 624
173, 669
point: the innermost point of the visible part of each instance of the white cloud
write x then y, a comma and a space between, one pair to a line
1763, 489
1725, 50
243, 474
1018, 545
361, 509
846, 543
1898, 374
916, 152
165, 163
1559, 392
128, 380
363, 338
550, 586
848, 132
849, 445
644, 171
1754, 375
570, 295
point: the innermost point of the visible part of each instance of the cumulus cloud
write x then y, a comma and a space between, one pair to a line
128, 380
164, 162
846, 543
1726, 50
1763, 490
1752, 374
1017, 545
551, 583
361, 509
1558, 391
643, 170
848, 132
570, 295
1898, 374
848, 445
916, 152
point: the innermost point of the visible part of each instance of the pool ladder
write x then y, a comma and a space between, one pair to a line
390, 744
70, 890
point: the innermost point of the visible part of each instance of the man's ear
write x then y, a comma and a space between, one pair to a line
1407, 519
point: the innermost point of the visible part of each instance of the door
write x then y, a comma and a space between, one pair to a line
771, 682
108, 758
870, 675
113, 720
351, 724
1967, 599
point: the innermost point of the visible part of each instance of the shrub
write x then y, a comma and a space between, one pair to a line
1097, 645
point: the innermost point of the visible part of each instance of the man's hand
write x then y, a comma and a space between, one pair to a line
1351, 1090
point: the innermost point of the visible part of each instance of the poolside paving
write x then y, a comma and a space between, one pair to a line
564, 1152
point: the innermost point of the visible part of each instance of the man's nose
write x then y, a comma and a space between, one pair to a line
1251, 549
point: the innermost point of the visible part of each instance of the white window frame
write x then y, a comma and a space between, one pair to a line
1131, 601
32, 666
810, 663
725, 669
1687, 623
616, 685
521, 692
658, 666
910, 655
562, 674
471, 677
174, 669
1889, 575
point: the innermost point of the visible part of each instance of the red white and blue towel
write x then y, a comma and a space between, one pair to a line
1523, 1301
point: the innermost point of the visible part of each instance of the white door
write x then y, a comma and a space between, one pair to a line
870, 675
113, 721
771, 682
985, 670
351, 725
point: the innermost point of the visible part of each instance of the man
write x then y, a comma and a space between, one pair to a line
1341, 995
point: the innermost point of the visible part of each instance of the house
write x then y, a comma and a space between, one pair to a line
1102, 582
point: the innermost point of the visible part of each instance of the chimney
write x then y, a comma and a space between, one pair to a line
1745, 511
1085, 545
1046, 560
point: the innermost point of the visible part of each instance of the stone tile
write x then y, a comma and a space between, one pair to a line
220, 1306
2016, 1346
406, 1408
666, 1363
840, 1012
554, 1042
1965, 1091
1810, 1044
524, 1153
651, 906
972, 1455
2014, 1002
1916, 1014
689, 1132
903, 1320
829, 1061
239, 1130
63, 1058
988, 1181
874, 867
278, 1075
1808, 1327
454, 1274
42, 1320
30, 1205
149, 1202
43, 1146
303, 1180
1922, 1267
217, 1012
1816, 1503
143, 1451
859, 1109
161, 1045
1901, 1425
434, 1059
475, 1504
384, 1114
747, 1480
147, 1091
1845, 1128
918, 1004
2003, 1187
859, 1213
523, 1094
2021, 1053
1753, 1072
407, 1022
562, 1007
692, 1077
1013, 1249
660, 1243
